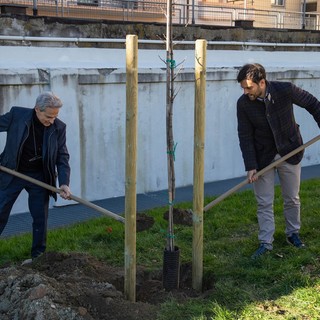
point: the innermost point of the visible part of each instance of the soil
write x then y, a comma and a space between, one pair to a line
180, 216
67, 286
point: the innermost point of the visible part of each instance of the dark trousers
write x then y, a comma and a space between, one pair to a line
38, 202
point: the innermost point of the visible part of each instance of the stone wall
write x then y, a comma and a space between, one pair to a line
58, 27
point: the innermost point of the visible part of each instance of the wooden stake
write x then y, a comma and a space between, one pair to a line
198, 172
131, 167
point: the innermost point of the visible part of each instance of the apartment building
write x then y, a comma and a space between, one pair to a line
282, 14
293, 14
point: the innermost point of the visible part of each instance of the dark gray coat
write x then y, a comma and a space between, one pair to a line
54, 154
268, 127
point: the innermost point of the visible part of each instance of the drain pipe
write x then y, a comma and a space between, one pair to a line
35, 8
160, 42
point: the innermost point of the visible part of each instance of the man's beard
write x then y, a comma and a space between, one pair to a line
252, 97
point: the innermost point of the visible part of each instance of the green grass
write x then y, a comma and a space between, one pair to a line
285, 284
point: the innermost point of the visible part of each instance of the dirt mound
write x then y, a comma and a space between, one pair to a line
180, 216
59, 286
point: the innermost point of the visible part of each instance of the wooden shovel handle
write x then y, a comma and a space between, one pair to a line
259, 173
56, 190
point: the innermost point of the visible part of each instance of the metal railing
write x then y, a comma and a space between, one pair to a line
154, 11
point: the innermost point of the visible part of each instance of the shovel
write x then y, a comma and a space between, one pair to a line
259, 173
56, 190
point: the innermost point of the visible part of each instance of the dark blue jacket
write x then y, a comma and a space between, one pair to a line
55, 154
268, 127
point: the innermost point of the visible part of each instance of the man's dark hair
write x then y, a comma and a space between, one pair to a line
252, 71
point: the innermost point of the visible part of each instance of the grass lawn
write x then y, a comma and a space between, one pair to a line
284, 284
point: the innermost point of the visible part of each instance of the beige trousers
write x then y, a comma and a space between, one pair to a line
289, 176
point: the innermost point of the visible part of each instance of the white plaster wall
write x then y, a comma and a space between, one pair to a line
92, 85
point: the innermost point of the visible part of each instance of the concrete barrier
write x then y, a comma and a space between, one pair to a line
91, 83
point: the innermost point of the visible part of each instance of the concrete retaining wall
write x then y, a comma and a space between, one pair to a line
92, 85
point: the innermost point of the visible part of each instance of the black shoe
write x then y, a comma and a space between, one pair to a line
260, 251
295, 241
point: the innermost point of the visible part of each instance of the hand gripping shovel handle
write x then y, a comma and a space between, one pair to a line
56, 190
259, 173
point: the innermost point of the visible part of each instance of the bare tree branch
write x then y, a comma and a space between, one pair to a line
198, 60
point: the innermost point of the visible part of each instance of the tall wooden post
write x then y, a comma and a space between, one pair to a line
131, 167
198, 171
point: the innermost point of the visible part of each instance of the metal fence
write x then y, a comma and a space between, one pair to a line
154, 11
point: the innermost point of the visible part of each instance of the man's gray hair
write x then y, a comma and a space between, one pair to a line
48, 100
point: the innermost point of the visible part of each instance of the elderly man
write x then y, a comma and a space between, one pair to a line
36, 147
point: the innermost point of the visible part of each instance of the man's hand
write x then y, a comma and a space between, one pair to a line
65, 192
251, 176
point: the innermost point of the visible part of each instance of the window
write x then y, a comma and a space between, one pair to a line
94, 3
311, 7
277, 2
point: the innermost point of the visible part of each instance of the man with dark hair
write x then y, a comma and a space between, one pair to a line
36, 147
267, 131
